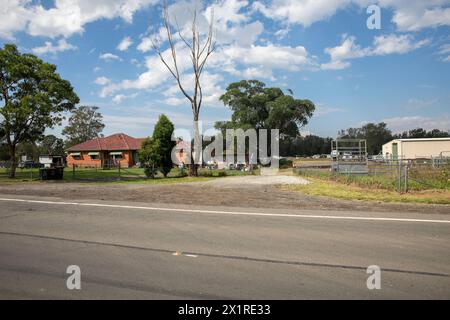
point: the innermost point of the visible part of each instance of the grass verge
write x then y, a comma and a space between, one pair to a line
334, 189
112, 176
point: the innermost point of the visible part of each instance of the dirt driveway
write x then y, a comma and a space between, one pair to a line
252, 181
244, 191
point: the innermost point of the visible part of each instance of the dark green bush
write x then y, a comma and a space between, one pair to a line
182, 173
285, 163
150, 172
207, 173
221, 174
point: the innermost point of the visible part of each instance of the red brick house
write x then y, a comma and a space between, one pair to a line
109, 151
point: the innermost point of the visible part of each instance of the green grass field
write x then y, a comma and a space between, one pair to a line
127, 175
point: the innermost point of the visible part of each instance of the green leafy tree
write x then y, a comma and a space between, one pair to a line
150, 156
436, 133
163, 133
51, 145
28, 149
34, 98
306, 146
4, 154
256, 106
375, 134
2, 133
85, 123
422, 133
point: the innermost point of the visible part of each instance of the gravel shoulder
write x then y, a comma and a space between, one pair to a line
244, 191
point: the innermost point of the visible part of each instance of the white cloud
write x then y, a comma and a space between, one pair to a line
156, 74
258, 73
382, 45
210, 87
109, 57
48, 47
323, 109
175, 101
408, 15
145, 45
335, 65
418, 14
400, 124
270, 56
118, 99
124, 44
232, 24
301, 12
399, 44
421, 103
65, 17
348, 49
14, 17
102, 81
236, 54
68, 17
444, 51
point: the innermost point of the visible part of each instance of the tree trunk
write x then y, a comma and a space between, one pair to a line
12, 172
196, 151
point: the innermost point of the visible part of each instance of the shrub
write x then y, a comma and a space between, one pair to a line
221, 174
150, 172
182, 173
285, 163
207, 173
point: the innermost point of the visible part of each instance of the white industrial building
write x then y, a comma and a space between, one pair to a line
423, 148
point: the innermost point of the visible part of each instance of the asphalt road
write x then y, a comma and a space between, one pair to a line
131, 251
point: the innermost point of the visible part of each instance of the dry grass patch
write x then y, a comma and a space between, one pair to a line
339, 190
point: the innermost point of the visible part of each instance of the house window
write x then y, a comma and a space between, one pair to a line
116, 156
76, 155
94, 155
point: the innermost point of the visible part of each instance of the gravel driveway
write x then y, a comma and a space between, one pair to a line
243, 181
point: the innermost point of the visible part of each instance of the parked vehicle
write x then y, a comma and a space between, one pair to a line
28, 164
377, 158
347, 156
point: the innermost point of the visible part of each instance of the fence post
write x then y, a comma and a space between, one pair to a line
406, 179
73, 171
399, 177
119, 169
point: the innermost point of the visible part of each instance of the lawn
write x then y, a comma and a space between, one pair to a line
125, 175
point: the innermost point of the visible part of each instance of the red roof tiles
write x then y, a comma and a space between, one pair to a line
115, 142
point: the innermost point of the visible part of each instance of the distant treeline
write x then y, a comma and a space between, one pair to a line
376, 135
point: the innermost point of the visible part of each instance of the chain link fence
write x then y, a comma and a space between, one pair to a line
396, 175
105, 173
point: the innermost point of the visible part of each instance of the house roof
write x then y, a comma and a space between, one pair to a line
418, 140
115, 142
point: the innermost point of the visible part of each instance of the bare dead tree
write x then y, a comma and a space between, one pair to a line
200, 49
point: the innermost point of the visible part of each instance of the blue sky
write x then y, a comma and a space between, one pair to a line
322, 50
